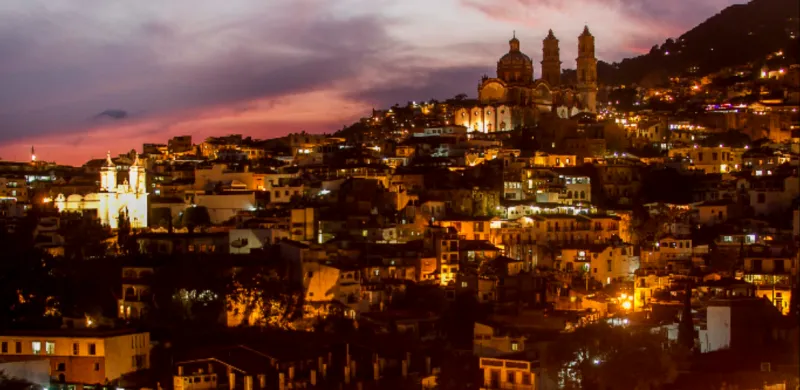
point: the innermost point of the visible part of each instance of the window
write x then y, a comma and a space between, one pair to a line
50, 347
61, 367
510, 377
526, 378
4, 347
96, 365
609, 265
515, 346
92, 349
76, 348
36, 346
463, 284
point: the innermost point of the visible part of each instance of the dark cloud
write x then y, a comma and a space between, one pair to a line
423, 84
113, 114
54, 79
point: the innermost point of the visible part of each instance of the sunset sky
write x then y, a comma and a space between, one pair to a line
80, 77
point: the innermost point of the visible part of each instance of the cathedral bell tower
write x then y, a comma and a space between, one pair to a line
136, 176
108, 175
551, 62
587, 70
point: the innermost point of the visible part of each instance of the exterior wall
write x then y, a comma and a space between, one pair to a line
485, 119
471, 230
113, 357
486, 344
712, 215
34, 371
206, 179
302, 224
324, 284
718, 334
224, 207
253, 239
507, 374
713, 159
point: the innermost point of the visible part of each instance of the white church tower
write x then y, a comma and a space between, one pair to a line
108, 175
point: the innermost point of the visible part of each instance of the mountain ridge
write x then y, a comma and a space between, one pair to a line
739, 34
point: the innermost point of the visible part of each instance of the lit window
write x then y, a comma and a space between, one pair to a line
515, 346
37, 347
463, 284
50, 348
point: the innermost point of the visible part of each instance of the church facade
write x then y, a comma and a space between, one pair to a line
515, 99
113, 199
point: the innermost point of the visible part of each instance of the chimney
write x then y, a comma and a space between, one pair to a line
291, 373
210, 368
376, 372
324, 370
347, 375
405, 368
353, 368
180, 370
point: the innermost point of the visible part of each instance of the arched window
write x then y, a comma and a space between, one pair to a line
583, 195
569, 194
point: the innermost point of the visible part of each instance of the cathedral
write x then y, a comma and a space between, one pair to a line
113, 199
514, 99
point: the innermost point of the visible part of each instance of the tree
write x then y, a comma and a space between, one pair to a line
12, 383
84, 237
686, 326
29, 293
194, 217
261, 298
603, 357
125, 241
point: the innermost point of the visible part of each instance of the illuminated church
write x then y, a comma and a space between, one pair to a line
113, 199
514, 99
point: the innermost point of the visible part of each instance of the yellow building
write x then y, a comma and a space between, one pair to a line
81, 356
113, 199
507, 374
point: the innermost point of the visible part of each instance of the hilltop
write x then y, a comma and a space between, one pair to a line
738, 35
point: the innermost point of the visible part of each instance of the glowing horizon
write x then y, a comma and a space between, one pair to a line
124, 74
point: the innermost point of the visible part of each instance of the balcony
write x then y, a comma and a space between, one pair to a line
492, 385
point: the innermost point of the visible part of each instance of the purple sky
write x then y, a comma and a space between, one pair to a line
83, 76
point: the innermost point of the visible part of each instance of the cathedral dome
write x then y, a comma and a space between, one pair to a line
515, 66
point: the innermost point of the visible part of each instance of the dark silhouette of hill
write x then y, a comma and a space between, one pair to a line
738, 35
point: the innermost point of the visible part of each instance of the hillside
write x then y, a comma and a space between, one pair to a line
738, 35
